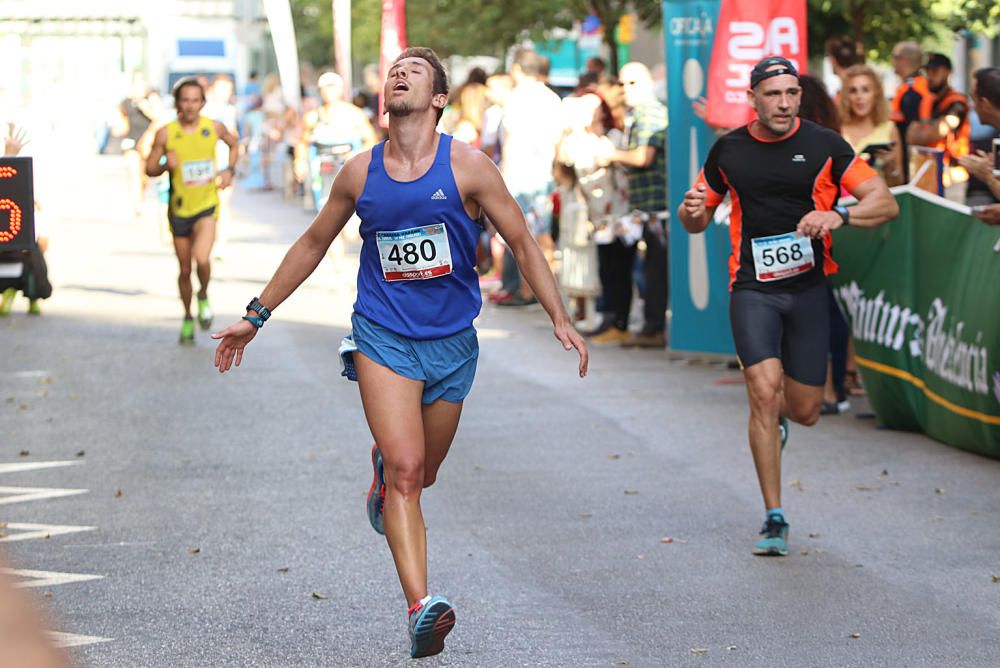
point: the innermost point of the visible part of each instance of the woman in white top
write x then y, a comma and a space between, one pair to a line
592, 197
864, 113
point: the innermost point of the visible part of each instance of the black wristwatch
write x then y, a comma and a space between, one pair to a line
259, 309
843, 212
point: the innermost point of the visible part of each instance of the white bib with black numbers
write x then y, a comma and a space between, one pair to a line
415, 254
197, 172
782, 256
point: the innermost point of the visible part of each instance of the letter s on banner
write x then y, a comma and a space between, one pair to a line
747, 31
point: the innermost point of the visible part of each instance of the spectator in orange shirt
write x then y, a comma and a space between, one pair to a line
914, 100
948, 127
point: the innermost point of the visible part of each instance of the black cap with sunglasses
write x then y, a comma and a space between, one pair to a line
761, 70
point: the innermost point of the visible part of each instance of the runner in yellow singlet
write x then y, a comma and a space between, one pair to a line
188, 145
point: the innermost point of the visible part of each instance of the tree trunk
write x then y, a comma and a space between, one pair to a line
858, 10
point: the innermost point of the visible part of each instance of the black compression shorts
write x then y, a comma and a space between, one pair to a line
793, 327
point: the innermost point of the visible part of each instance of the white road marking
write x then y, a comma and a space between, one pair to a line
37, 373
26, 531
46, 578
34, 466
63, 640
22, 494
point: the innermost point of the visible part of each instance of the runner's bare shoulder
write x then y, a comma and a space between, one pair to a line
353, 174
470, 166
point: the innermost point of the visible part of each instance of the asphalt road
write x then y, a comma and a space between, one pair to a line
225, 514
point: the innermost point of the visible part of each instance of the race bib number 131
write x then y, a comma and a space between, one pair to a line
782, 256
415, 254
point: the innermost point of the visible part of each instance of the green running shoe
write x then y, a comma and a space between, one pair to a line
34, 307
7, 301
773, 540
783, 431
187, 332
431, 619
205, 314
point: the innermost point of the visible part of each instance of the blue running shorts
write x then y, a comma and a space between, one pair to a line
447, 366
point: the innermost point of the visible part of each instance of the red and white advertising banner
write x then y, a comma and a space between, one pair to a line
748, 30
393, 43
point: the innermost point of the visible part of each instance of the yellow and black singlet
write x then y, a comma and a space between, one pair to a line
192, 182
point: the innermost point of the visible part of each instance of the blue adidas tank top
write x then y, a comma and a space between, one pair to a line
418, 255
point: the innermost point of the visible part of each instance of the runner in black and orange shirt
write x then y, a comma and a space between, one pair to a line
784, 175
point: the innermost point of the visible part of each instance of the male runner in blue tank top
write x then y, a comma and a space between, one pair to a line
784, 175
418, 195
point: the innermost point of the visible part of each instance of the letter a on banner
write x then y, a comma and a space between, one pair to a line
747, 31
393, 43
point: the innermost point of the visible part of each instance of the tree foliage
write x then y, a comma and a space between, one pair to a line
458, 27
877, 25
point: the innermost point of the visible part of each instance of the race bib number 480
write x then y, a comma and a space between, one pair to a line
782, 256
197, 172
415, 254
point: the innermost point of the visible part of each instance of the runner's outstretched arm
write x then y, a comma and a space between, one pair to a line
483, 183
301, 259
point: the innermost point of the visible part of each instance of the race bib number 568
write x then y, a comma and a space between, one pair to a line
782, 256
415, 254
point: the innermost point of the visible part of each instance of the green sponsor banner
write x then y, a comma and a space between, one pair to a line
922, 294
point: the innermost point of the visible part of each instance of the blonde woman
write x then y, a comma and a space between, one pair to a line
864, 112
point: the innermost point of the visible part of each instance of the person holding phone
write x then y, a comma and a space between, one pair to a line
981, 165
865, 124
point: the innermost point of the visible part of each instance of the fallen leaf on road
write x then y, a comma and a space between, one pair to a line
585, 516
319, 597
885, 472
797, 484
614, 455
118, 493
45, 381
803, 552
855, 635
866, 488
938, 490
47, 594
283, 569
194, 550
47, 536
631, 492
996, 578
622, 663
24, 453
731, 648
666, 539
698, 650
814, 535
22, 407
81, 453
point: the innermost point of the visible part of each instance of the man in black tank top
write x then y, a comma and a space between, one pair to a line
413, 430
784, 175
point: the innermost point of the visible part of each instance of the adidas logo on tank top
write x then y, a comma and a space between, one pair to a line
439, 195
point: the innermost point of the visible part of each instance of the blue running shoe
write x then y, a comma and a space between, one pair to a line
783, 431
431, 619
773, 537
376, 494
